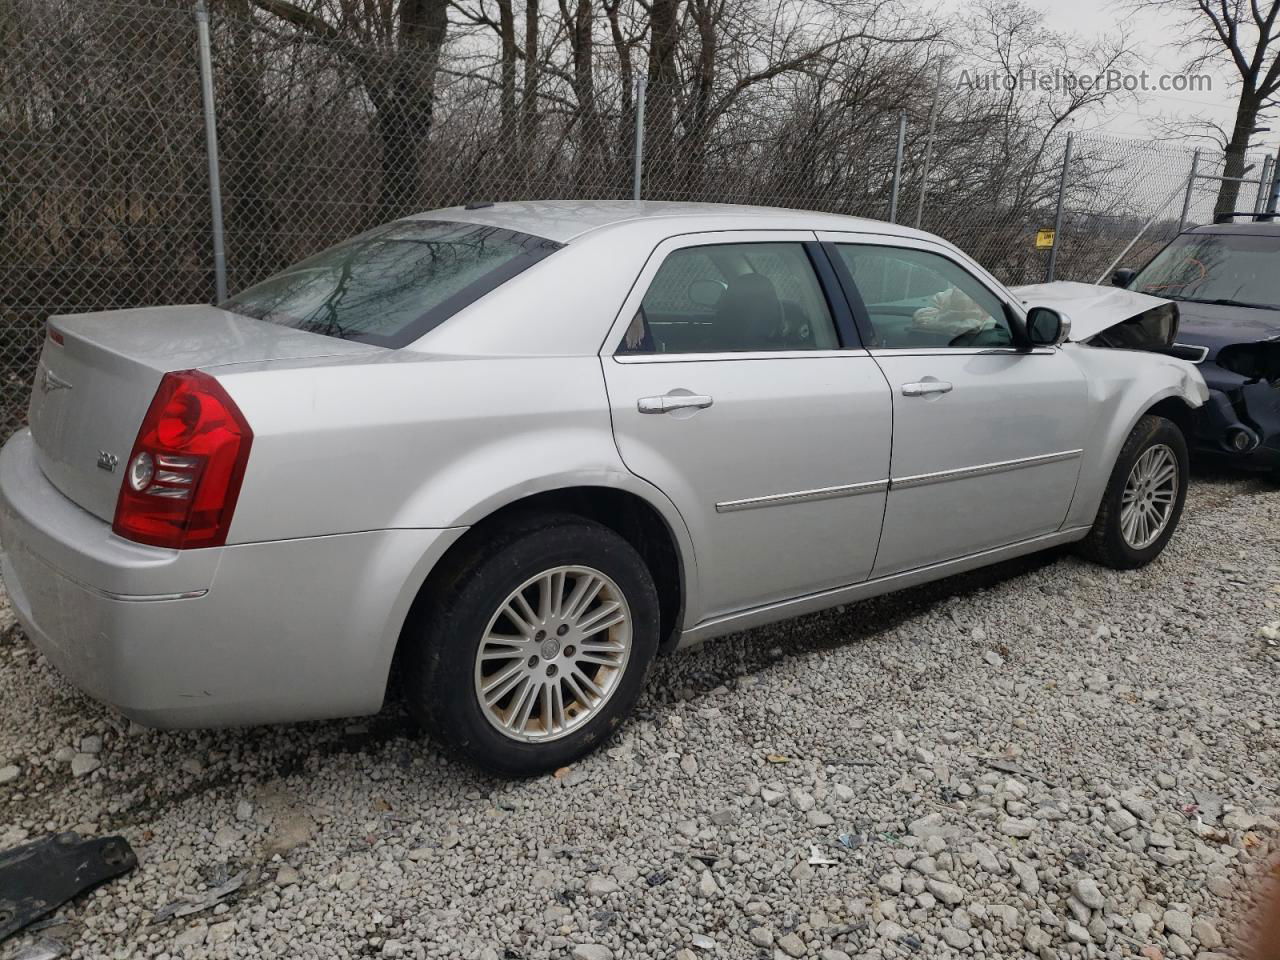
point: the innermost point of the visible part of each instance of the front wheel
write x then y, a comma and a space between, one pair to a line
1143, 500
535, 647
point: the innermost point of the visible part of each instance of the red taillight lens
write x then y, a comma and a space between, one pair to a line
183, 476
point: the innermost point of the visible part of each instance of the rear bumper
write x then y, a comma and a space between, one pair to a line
1255, 416
252, 633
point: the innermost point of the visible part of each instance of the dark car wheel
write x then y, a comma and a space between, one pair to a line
1144, 497
534, 645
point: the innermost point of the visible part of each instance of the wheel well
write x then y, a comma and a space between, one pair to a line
625, 513
1177, 410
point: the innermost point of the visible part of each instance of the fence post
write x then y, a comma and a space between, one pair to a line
1057, 217
1273, 188
637, 173
897, 167
928, 147
211, 147
1191, 186
1264, 180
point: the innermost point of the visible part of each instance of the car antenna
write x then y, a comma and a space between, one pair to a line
477, 204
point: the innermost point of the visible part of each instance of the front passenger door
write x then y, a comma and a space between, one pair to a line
987, 437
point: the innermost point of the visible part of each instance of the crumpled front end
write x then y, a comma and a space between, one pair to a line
1109, 316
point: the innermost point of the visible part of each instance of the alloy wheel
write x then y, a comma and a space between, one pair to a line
1149, 495
553, 653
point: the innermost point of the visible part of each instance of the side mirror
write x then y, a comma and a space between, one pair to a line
1047, 328
1123, 277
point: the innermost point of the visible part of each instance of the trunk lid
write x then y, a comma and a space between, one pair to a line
93, 389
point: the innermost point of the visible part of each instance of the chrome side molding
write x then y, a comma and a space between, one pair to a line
803, 496
982, 469
880, 486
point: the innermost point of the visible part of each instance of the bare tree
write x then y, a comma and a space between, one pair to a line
1248, 34
395, 50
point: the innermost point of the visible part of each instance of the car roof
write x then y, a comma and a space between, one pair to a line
1250, 227
565, 220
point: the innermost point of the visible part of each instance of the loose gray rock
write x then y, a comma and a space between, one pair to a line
956, 939
986, 858
792, 945
601, 886
1204, 931
891, 882
725, 816
1179, 923
1034, 939
1121, 820
760, 936
83, 764
1014, 827
948, 893
1027, 878
707, 886
1087, 892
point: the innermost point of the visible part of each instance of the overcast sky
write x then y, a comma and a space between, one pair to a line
1150, 31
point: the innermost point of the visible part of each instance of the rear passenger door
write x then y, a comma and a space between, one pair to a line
737, 387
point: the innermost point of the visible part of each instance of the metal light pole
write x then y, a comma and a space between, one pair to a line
211, 147
1057, 217
637, 172
1191, 186
897, 167
1273, 197
928, 148
1264, 185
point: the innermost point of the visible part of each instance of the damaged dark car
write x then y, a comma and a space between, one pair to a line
1225, 279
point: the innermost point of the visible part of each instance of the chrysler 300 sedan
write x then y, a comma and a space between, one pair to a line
506, 455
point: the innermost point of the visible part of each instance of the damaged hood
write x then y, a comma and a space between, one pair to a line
1094, 308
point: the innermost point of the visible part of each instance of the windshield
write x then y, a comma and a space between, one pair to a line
393, 284
1216, 268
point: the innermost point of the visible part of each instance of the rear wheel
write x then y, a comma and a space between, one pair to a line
534, 645
1143, 500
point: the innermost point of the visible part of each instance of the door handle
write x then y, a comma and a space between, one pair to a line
678, 401
925, 388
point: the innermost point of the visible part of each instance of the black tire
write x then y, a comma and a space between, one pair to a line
438, 673
1105, 543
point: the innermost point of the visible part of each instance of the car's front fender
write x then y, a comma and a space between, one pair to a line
1123, 386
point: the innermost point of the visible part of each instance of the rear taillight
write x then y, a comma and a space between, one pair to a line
183, 476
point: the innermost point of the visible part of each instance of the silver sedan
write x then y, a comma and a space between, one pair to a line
512, 453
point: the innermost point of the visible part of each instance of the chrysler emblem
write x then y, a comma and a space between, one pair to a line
53, 382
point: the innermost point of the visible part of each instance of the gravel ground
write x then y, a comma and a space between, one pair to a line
1046, 758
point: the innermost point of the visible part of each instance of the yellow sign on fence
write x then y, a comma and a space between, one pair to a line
1044, 239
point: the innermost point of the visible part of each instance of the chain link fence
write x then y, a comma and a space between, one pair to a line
105, 185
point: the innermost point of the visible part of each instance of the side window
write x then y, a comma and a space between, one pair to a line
733, 297
919, 299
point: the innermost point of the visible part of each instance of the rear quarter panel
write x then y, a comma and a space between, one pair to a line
415, 442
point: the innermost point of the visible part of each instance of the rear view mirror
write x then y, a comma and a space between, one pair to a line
1123, 277
1047, 328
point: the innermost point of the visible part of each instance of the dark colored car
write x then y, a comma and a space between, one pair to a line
1226, 281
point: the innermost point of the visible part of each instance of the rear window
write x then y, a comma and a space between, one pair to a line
391, 285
